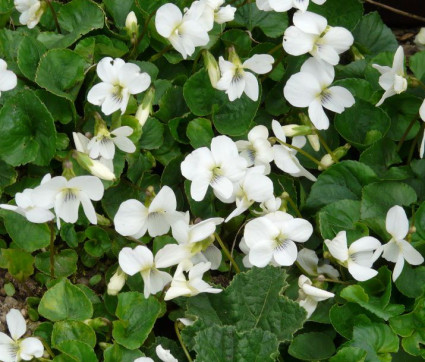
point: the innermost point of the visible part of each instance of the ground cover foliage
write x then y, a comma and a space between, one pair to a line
242, 199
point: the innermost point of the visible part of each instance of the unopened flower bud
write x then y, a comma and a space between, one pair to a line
340, 152
131, 25
212, 67
234, 58
145, 108
95, 167
326, 162
420, 39
292, 130
314, 141
116, 283
356, 53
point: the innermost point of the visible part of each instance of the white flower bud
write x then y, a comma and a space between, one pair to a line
420, 39
292, 130
314, 141
145, 108
326, 162
131, 24
212, 67
116, 283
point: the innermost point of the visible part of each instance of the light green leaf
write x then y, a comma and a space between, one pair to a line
80, 351
345, 13
19, 263
379, 197
273, 24
312, 346
134, 326
254, 300
73, 331
80, 17
61, 71
362, 124
200, 133
65, 301
342, 181
65, 263
377, 339
225, 343
417, 65
349, 354
372, 36
31, 135
25, 234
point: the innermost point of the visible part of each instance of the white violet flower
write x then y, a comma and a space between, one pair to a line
309, 296
184, 32
257, 150
8, 79
285, 5
31, 11
119, 81
219, 168
273, 237
100, 167
398, 250
309, 262
140, 259
206, 12
163, 354
191, 286
311, 88
134, 219
393, 79
194, 243
16, 348
311, 34
103, 144
359, 257
66, 195
236, 77
420, 39
26, 206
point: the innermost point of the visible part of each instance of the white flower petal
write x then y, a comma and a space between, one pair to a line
397, 223
31, 347
286, 254
366, 243
317, 114
337, 98
16, 324
8, 80
131, 218
88, 207
99, 92
132, 262
164, 354
261, 253
167, 18
124, 144
360, 272
165, 200
171, 254
410, 254
338, 38
422, 111
251, 86
338, 246
301, 89
298, 230
310, 22
280, 5
157, 224
297, 42
398, 268
259, 63
398, 61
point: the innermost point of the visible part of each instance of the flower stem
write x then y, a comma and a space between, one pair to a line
293, 204
226, 251
394, 10
47, 347
310, 157
179, 337
406, 132
323, 142
55, 17
277, 47
159, 54
415, 141
145, 29
52, 250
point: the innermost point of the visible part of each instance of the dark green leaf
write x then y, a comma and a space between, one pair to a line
312, 346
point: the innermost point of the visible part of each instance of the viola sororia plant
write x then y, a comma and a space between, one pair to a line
210, 181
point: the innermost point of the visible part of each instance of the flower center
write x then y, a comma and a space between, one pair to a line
117, 93
70, 194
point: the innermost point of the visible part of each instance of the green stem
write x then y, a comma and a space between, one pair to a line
144, 31
159, 54
406, 132
415, 141
277, 47
310, 157
293, 204
324, 143
226, 251
333, 281
52, 250
55, 17
47, 347
179, 337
